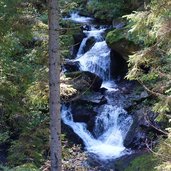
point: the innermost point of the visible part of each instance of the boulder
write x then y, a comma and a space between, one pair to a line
141, 127
78, 37
89, 44
118, 65
94, 98
135, 135
118, 42
71, 135
86, 27
71, 66
82, 113
85, 81
124, 162
128, 94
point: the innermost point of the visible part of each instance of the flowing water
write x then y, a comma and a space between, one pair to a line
79, 19
112, 121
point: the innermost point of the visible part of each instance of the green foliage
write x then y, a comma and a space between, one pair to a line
25, 167
141, 28
151, 65
69, 6
143, 163
164, 153
67, 90
166, 166
24, 81
66, 42
23, 61
4, 137
106, 10
150, 29
33, 142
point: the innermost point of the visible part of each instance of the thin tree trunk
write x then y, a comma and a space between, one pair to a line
54, 81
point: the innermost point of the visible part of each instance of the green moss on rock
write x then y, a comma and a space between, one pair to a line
115, 36
118, 41
143, 163
106, 10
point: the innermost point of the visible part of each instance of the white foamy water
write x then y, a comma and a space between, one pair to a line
95, 33
110, 85
96, 60
109, 143
80, 19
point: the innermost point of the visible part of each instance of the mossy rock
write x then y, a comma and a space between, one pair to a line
114, 36
105, 10
85, 80
117, 40
143, 163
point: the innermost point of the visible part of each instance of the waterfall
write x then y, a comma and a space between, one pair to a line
79, 19
97, 59
112, 121
109, 143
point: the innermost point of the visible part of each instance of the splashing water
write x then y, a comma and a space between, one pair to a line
109, 141
97, 60
79, 19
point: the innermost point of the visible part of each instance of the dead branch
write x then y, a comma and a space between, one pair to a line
150, 91
158, 129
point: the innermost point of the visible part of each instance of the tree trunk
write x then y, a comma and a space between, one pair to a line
54, 81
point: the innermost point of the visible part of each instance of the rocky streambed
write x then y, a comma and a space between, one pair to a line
107, 117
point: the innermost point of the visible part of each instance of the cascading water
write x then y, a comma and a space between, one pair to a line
97, 59
109, 141
112, 121
77, 18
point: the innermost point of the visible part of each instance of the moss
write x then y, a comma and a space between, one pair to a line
143, 163
25, 167
114, 36
118, 41
105, 10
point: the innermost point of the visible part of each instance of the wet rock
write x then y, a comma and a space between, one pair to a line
123, 162
85, 81
141, 127
86, 27
89, 44
95, 98
128, 95
135, 135
71, 66
118, 65
78, 37
82, 113
117, 41
71, 135
144, 95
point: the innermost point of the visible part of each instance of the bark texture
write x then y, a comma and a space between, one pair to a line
54, 81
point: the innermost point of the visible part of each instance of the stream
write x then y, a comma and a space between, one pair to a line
112, 121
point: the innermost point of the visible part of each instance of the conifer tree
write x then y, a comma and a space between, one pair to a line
54, 77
